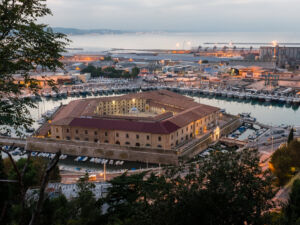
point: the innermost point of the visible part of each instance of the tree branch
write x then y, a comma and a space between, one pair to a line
51, 165
27, 163
20, 179
14, 164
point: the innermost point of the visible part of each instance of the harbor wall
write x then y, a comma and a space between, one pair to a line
116, 152
16, 142
203, 143
231, 125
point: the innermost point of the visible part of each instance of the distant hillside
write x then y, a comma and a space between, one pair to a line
74, 31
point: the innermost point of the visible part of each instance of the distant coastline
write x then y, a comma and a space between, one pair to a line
75, 31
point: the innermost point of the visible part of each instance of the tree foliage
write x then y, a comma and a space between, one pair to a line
94, 71
110, 72
290, 213
292, 209
25, 46
284, 160
226, 188
291, 136
11, 194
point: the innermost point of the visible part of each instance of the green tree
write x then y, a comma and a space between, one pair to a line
291, 136
225, 188
282, 163
292, 209
56, 211
235, 188
290, 213
95, 72
4, 194
285, 161
23, 174
25, 45
108, 58
84, 208
135, 72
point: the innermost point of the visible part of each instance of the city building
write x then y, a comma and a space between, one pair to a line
157, 119
281, 55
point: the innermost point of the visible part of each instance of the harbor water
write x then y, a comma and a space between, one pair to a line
265, 112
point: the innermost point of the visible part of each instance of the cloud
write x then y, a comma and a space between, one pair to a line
191, 15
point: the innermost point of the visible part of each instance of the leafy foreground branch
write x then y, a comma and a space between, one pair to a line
14, 205
25, 46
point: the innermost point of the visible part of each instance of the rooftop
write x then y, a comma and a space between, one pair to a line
179, 112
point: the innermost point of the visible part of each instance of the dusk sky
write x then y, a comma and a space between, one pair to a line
176, 15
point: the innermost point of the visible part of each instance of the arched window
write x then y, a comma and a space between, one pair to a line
148, 145
127, 143
106, 141
159, 146
137, 144
117, 143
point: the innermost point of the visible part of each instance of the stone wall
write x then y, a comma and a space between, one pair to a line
81, 148
232, 125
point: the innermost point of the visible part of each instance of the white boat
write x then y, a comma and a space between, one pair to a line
64, 93
212, 92
289, 100
242, 96
62, 156
85, 158
224, 93
261, 97
53, 94
296, 100
248, 96
282, 99
46, 94
111, 162
245, 114
77, 158
274, 98
205, 91
236, 94
268, 98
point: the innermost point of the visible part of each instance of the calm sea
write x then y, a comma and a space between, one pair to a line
162, 40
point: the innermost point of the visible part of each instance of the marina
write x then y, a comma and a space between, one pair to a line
269, 109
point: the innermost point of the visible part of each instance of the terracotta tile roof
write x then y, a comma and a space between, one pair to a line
186, 111
164, 127
73, 109
185, 117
